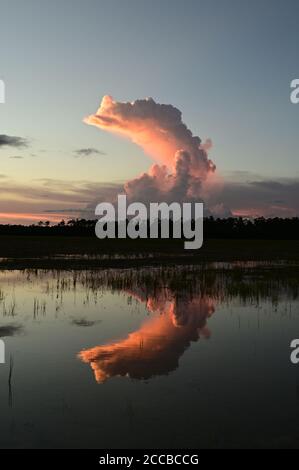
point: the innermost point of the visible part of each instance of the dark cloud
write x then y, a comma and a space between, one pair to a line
12, 141
242, 175
10, 330
88, 152
252, 197
17, 157
264, 197
56, 196
83, 322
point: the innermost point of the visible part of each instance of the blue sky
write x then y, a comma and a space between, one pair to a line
227, 65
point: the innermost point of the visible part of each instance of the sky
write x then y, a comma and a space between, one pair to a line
225, 64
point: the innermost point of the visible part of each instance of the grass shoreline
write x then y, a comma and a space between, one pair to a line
51, 252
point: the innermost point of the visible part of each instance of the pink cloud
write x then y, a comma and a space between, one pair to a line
181, 160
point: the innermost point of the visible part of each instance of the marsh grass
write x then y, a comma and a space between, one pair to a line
54, 252
249, 282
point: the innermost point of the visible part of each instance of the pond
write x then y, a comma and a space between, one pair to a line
166, 357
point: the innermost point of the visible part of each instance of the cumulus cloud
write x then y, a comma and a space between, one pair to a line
87, 152
181, 159
12, 141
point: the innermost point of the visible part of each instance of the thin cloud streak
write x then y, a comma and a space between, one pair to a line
87, 152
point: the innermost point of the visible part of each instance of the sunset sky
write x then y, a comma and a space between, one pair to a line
226, 65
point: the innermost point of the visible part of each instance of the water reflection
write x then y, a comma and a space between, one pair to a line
243, 383
180, 303
156, 347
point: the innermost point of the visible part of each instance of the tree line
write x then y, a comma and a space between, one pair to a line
232, 227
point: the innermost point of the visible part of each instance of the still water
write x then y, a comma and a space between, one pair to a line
150, 358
